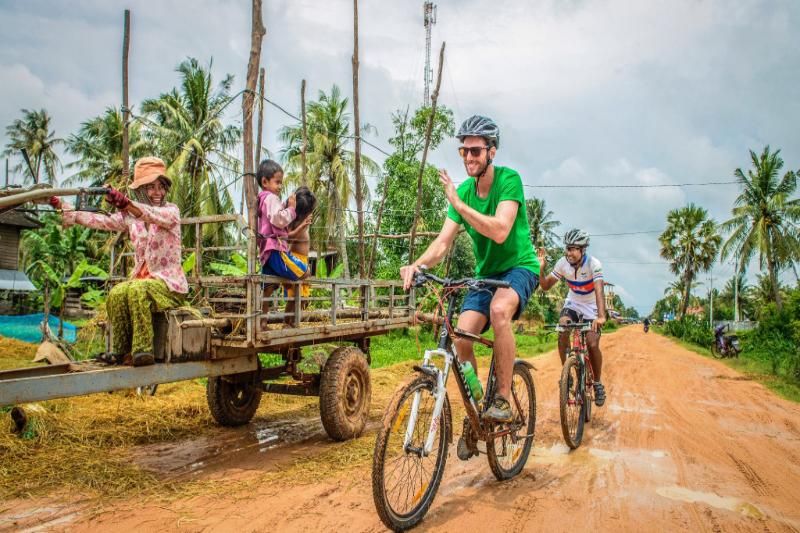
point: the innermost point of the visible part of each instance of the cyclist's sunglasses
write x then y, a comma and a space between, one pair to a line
474, 151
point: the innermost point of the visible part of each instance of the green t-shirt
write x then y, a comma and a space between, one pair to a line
516, 251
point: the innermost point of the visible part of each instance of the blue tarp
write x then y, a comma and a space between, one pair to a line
26, 327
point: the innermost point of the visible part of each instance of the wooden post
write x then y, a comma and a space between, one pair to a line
304, 148
6, 173
378, 228
259, 131
428, 131
126, 44
359, 184
253, 289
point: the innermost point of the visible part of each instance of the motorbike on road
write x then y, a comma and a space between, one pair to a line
725, 345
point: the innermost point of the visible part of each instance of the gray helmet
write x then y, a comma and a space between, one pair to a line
480, 126
576, 237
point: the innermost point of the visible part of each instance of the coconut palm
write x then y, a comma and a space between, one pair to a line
765, 218
186, 126
541, 222
330, 165
98, 147
32, 133
690, 243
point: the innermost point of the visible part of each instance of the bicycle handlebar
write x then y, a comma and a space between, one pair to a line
583, 326
423, 276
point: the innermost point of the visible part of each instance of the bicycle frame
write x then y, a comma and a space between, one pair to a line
578, 348
447, 351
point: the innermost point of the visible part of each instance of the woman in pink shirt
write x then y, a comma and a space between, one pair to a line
158, 282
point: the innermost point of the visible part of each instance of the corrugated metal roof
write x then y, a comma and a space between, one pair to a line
14, 280
19, 219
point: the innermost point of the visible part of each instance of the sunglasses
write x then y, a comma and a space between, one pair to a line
474, 151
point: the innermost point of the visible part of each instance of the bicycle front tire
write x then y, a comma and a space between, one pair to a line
400, 499
572, 403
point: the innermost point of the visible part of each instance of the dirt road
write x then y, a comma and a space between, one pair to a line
683, 443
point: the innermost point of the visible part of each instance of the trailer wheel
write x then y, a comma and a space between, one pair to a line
232, 404
344, 393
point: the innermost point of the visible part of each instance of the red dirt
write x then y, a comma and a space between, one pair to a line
683, 443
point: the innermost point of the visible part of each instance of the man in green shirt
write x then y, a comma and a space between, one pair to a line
491, 207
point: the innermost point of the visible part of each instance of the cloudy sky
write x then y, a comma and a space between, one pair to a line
585, 92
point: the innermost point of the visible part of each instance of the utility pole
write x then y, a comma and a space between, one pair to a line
357, 155
126, 114
711, 299
429, 12
736, 292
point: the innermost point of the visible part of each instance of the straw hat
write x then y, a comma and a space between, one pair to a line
147, 170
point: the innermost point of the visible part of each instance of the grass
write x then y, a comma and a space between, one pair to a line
754, 368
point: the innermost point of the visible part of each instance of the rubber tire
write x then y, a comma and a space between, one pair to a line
563, 396
221, 395
346, 366
715, 351
499, 472
387, 516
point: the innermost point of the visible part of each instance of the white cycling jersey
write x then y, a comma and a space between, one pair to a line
581, 281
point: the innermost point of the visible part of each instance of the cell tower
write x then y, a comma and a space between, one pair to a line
429, 10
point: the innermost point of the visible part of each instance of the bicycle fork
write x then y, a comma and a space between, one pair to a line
439, 394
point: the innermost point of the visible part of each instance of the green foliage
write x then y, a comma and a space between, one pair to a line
237, 266
765, 218
690, 329
32, 133
690, 243
186, 129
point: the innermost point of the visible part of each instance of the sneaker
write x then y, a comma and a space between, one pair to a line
599, 394
500, 411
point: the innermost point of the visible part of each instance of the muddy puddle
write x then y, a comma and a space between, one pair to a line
253, 447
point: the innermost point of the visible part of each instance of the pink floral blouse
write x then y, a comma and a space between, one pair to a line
158, 247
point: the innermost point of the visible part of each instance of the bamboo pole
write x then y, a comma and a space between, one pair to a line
359, 184
256, 36
304, 148
260, 129
126, 114
428, 131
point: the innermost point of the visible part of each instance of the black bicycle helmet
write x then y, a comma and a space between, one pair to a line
576, 237
480, 126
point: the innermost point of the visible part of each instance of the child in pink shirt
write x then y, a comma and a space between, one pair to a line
273, 234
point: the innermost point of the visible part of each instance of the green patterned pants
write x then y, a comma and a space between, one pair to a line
131, 305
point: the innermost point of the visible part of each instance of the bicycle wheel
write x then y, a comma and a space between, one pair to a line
572, 404
404, 478
715, 350
509, 453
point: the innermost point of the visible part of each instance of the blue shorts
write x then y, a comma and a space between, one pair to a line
284, 265
522, 280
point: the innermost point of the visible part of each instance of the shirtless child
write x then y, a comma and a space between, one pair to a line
299, 245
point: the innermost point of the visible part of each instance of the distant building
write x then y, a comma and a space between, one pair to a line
13, 282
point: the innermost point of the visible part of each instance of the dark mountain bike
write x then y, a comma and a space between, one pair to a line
576, 388
411, 447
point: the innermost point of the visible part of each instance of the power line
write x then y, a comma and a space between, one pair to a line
630, 186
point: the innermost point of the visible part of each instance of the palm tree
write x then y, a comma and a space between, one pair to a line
765, 218
32, 133
186, 126
330, 165
690, 243
541, 222
98, 147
